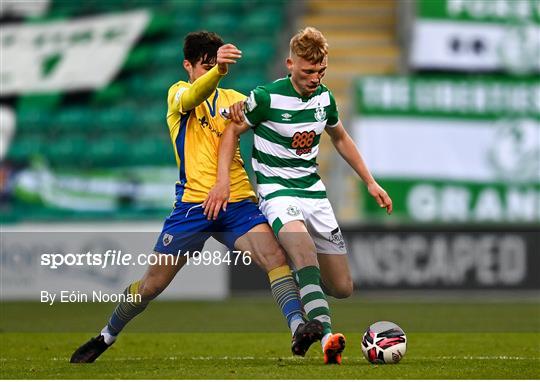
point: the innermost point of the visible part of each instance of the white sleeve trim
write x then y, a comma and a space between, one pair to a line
334, 125
248, 121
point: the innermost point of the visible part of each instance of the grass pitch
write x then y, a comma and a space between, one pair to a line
246, 339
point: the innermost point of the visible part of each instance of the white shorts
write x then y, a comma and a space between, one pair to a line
317, 215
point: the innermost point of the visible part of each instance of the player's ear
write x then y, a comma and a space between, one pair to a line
187, 66
289, 63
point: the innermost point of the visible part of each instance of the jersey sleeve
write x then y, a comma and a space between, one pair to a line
333, 115
190, 96
257, 106
174, 98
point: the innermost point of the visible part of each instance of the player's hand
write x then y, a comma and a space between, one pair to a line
217, 199
236, 112
227, 54
380, 195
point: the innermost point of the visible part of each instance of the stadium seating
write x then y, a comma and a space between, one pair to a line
123, 124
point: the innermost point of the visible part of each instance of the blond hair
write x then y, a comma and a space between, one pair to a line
310, 44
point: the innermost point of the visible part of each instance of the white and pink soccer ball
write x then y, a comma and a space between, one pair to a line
384, 342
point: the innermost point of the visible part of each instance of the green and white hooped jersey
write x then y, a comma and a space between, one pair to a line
287, 131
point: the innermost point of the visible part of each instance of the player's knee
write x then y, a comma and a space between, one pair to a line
342, 289
271, 258
304, 256
150, 289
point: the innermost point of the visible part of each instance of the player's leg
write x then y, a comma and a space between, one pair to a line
300, 248
335, 274
269, 256
138, 295
250, 233
154, 281
298, 244
289, 217
332, 252
333, 262
182, 231
264, 249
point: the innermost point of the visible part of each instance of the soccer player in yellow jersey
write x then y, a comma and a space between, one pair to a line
196, 126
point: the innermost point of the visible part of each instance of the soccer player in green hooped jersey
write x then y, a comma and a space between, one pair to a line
288, 117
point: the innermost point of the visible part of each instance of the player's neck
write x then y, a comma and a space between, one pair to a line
297, 90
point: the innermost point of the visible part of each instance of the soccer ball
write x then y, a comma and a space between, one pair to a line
384, 342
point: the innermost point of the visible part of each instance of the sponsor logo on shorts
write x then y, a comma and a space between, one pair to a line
167, 239
293, 211
336, 237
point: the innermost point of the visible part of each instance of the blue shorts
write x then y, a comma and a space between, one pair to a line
187, 229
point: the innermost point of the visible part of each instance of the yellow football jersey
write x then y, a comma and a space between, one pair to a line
195, 136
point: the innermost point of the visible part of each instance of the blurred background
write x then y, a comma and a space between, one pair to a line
442, 97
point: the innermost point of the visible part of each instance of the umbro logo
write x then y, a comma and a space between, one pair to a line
286, 117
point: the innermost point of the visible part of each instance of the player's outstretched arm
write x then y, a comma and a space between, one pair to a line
203, 87
218, 196
348, 150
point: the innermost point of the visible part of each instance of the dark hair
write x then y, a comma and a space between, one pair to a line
203, 45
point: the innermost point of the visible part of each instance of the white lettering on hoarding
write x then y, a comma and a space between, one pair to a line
416, 260
448, 203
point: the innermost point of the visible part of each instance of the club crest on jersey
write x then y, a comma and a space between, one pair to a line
293, 211
167, 239
320, 113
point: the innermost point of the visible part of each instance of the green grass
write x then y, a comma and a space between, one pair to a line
266, 356
246, 339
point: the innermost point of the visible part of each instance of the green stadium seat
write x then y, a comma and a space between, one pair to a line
257, 52
153, 117
26, 147
67, 151
225, 6
168, 54
110, 94
152, 4
74, 119
254, 5
108, 151
223, 24
244, 84
139, 58
68, 8
38, 102
185, 6
116, 119
152, 150
263, 22
184, 22
153, 88
160, 23
36, 121
111, 6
